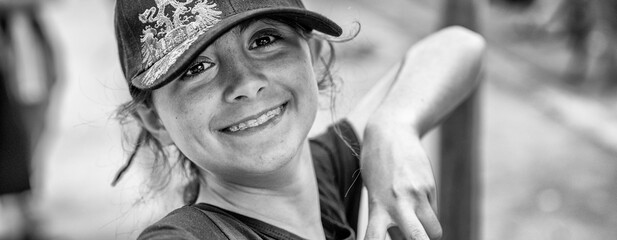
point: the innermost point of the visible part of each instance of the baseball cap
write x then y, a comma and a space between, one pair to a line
157, 39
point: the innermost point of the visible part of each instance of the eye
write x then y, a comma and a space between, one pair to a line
264, 41
197, 68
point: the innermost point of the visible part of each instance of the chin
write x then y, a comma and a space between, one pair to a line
276, 159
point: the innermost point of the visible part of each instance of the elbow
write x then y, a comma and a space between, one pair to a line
457, 43
469, 48
471, 43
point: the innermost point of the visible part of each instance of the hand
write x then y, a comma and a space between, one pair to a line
400, 183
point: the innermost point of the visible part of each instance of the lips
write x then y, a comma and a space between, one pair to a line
257, 120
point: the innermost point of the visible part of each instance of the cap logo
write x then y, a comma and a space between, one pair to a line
171, 27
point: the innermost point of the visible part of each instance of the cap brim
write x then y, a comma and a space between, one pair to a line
179, 58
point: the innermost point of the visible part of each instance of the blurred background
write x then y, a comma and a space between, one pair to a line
544, 119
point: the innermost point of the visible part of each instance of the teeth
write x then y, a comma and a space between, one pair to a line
262, 119
256, 122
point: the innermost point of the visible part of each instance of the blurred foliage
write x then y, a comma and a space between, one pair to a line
514, 3
589, 28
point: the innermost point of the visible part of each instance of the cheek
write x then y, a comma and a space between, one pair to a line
186, 120
300, 70
309, 83
304, 85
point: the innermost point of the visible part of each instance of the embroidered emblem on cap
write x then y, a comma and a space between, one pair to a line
172, 26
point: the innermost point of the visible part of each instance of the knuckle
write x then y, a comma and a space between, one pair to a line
407, 190
430, 188
427, 188
396, 192
417, 192
403, 190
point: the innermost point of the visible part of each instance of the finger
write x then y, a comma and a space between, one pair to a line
409, 223
395, 233
378, 222
412, 228
432, 199
429, 220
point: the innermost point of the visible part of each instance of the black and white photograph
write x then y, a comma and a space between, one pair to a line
308, 119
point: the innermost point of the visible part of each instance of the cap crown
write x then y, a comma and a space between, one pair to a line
152, 35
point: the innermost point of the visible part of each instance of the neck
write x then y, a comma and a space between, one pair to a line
288, 198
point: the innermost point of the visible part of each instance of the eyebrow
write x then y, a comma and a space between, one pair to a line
244, 25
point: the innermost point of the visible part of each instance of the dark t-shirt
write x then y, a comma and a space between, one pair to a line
337, 171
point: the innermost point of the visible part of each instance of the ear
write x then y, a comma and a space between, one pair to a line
149, 119
315, 45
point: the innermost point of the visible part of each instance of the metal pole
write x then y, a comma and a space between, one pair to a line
458, 173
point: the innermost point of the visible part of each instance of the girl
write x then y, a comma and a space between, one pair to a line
233, 85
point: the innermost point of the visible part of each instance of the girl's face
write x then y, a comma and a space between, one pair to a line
246, 104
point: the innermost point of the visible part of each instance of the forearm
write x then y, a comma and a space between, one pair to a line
438, 73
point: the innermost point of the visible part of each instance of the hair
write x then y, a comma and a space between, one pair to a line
162, 164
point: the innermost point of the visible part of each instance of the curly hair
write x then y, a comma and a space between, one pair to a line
162, 164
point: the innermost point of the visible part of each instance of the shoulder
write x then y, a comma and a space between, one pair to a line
336, 159
187, 223
336, 150
338, 137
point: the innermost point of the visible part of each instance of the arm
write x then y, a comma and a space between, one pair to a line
436, 75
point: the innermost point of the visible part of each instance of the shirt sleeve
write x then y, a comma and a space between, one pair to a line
336, 154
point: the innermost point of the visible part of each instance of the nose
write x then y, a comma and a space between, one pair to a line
245, 82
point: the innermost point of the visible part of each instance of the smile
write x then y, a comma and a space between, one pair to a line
258, 121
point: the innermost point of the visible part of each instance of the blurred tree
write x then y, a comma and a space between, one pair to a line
521, 4
607, 25
578, 19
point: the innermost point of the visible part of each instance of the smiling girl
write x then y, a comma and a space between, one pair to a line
233, 85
